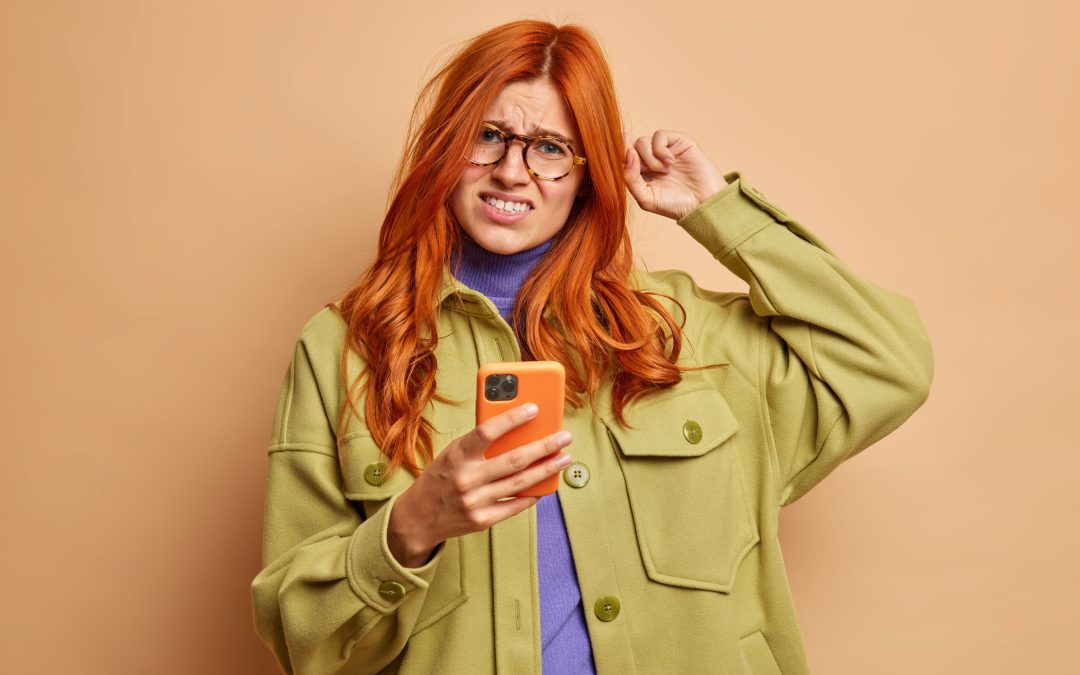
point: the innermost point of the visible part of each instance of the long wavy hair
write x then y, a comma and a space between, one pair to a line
576, 307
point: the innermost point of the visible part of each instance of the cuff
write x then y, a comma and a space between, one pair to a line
731, 216
375, 575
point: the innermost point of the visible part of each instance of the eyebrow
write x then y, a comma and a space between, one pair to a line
533, 131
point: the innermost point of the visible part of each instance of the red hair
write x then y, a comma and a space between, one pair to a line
576, 307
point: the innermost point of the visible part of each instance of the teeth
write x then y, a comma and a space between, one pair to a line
509, 207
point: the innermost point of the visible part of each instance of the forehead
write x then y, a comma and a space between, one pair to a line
531, 107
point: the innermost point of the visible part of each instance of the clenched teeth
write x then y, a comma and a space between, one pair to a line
509, 207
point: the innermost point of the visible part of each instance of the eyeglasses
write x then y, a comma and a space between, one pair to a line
546, 157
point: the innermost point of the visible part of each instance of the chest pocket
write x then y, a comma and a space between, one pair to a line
363, 473
691, 514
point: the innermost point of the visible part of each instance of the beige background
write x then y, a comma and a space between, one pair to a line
184, 184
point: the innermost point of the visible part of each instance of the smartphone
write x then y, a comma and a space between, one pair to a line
501, 386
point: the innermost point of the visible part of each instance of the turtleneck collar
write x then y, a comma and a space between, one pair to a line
496, 275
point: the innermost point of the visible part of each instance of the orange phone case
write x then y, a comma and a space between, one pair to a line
539, 382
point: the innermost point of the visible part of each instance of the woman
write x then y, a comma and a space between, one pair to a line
392, 545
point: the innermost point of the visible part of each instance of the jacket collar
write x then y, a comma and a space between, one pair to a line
452, 286
455, 295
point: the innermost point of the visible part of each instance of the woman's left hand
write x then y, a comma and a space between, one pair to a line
668, 174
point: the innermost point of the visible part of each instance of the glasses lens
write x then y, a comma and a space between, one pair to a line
550, 157
488, 146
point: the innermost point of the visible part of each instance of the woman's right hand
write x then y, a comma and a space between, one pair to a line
460, 491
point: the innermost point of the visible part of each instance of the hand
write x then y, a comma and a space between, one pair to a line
669, 174
459, 492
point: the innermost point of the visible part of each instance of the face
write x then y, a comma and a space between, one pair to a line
521, 107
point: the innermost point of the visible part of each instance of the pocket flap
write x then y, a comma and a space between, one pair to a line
360, 458
680, 464
676, 424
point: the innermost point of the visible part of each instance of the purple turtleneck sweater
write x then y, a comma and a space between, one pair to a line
563, 634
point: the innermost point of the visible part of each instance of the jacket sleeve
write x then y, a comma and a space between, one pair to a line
330, 597
842, 362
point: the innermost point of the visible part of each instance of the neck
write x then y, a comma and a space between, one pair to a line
496, 275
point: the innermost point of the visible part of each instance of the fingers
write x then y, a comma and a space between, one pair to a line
661, 149
648, 152
500, 511
519, 458
635, 182
484, 434
521, 480
663, 146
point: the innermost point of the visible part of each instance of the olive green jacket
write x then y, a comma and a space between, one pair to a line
674, 534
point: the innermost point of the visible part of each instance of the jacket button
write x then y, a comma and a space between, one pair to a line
606, 607
692, 431
375, 474
576, 475
391, 591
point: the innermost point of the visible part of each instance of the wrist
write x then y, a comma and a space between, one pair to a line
405, 536
710, 190
706, 193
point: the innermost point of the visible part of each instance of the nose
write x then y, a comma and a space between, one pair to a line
511, 170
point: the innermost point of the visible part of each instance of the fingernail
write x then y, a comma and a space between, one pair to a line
564, 438
562, 461
530, 410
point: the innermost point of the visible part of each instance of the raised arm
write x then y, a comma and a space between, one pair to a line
843, 361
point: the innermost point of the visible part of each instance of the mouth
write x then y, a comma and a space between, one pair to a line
503, 210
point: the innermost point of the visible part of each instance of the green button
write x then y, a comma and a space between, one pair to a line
391, 590
576, 475
376, 474
692, 431
606, 607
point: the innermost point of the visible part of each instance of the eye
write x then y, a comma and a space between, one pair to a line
489, 135
553, 149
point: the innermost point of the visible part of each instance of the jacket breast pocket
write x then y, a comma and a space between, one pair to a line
691, 514
363, 470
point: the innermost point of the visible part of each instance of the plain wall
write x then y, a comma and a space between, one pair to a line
185, 184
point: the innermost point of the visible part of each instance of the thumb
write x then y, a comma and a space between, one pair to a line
632, 175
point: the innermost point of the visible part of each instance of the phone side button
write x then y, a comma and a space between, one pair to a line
576, 475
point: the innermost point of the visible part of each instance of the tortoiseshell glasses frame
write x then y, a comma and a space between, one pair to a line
528, 142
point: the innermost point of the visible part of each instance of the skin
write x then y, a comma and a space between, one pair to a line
461, 492
524, 104
668, 174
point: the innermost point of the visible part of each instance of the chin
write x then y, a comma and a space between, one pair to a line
503, 243
505, 248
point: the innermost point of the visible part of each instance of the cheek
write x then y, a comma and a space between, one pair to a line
560, 195
465, 188
462, 193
